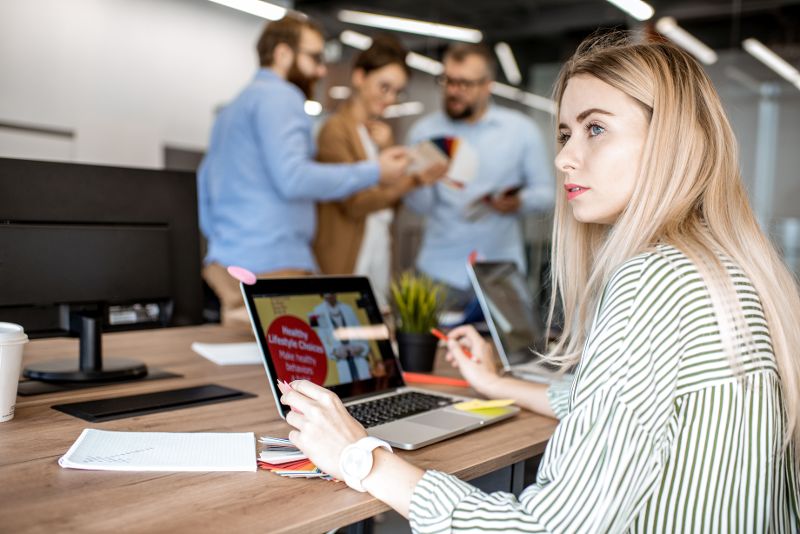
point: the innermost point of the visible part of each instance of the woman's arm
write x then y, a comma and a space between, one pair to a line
481, 372
323, 428
336, 144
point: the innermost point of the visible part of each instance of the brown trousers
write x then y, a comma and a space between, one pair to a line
227, 289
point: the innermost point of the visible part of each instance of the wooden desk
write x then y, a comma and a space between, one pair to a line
36, 495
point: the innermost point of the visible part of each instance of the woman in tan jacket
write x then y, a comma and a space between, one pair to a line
353, 235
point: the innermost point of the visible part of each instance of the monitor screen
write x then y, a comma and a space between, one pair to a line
120, 242
320, 338
86, 249
328, 330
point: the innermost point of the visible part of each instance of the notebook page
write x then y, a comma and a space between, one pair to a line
161, 451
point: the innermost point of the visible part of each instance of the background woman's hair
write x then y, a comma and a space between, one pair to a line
689, 194
384, 50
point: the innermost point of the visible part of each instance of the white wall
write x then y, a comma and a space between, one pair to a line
127, 76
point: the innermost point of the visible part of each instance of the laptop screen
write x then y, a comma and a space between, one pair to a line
328, 330
509, 309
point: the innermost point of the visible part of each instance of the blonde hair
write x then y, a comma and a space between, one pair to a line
689, 195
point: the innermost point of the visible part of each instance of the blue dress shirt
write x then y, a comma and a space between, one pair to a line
510, 152
258, 184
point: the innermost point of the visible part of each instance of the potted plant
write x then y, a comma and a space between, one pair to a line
416, 300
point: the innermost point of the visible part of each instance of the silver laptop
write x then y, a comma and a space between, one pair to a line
329, 330
515, 324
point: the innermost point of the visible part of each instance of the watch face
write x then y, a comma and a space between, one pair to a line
357, 462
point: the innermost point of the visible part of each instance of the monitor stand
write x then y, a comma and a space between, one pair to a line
91, 367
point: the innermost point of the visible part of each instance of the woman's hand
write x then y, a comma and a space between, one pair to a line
323, 427
480, 370
380, 132
432, 173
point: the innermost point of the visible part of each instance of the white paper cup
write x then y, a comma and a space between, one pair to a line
12, 339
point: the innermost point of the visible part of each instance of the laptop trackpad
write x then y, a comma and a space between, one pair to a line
423, 428
443, 420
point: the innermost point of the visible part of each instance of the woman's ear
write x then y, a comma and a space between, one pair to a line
357, 79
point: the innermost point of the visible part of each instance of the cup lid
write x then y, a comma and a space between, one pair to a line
12, 333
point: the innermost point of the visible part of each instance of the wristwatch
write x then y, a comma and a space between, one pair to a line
355, 463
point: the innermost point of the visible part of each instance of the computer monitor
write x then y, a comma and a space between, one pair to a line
86, 249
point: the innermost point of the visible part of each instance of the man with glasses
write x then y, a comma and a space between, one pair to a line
512, 177
258, 184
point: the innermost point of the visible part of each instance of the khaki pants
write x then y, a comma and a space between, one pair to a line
226, 287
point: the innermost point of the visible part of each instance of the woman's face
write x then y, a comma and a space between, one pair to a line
601, 133
380, 88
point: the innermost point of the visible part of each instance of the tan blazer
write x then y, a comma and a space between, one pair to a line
340, 224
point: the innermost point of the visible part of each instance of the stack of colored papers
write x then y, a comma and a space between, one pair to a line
282, 458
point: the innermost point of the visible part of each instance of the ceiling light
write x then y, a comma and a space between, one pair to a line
420, 27
339, 92
413, 60
635, 8
523, 97
508, 63
313, 108
355, 39
668, 27
255, 7
539, 102
403, 110
758, 50
505, 91
424, 63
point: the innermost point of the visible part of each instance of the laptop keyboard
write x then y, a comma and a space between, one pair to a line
395, 407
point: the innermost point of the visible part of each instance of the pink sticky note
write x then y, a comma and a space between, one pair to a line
242, 274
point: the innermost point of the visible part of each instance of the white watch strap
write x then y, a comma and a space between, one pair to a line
367, 444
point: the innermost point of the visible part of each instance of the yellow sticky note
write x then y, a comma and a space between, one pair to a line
479, 404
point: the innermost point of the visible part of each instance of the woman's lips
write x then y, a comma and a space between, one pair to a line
573, 190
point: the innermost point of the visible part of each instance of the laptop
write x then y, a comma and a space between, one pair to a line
516, 326
329, 330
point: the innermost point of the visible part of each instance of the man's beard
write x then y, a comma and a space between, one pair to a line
303, 82
467, 112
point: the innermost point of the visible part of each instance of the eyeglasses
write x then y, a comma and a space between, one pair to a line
460, 83
386, 90
317, 57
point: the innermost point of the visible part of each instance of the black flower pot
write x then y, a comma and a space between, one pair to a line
417, 351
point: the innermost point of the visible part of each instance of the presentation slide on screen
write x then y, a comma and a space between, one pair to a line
321, 338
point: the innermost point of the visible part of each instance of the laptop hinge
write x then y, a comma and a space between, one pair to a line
370, 395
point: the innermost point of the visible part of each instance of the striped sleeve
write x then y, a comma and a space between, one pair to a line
613, 444
558, 395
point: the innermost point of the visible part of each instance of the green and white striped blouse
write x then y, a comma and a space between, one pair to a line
657, 433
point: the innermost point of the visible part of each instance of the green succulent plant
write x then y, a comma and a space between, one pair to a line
417, 300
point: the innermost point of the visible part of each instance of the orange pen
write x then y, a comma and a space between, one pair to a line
438, 333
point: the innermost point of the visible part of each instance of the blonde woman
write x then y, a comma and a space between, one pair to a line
683, 413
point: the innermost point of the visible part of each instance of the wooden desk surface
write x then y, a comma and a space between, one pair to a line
36, 495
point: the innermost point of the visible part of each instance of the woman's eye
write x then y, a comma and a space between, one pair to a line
595, 129
563, 137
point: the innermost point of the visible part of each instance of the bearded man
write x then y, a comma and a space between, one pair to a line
258, 183
511, 175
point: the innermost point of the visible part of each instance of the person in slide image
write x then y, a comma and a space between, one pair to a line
682, 415
354, 234
351, 356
